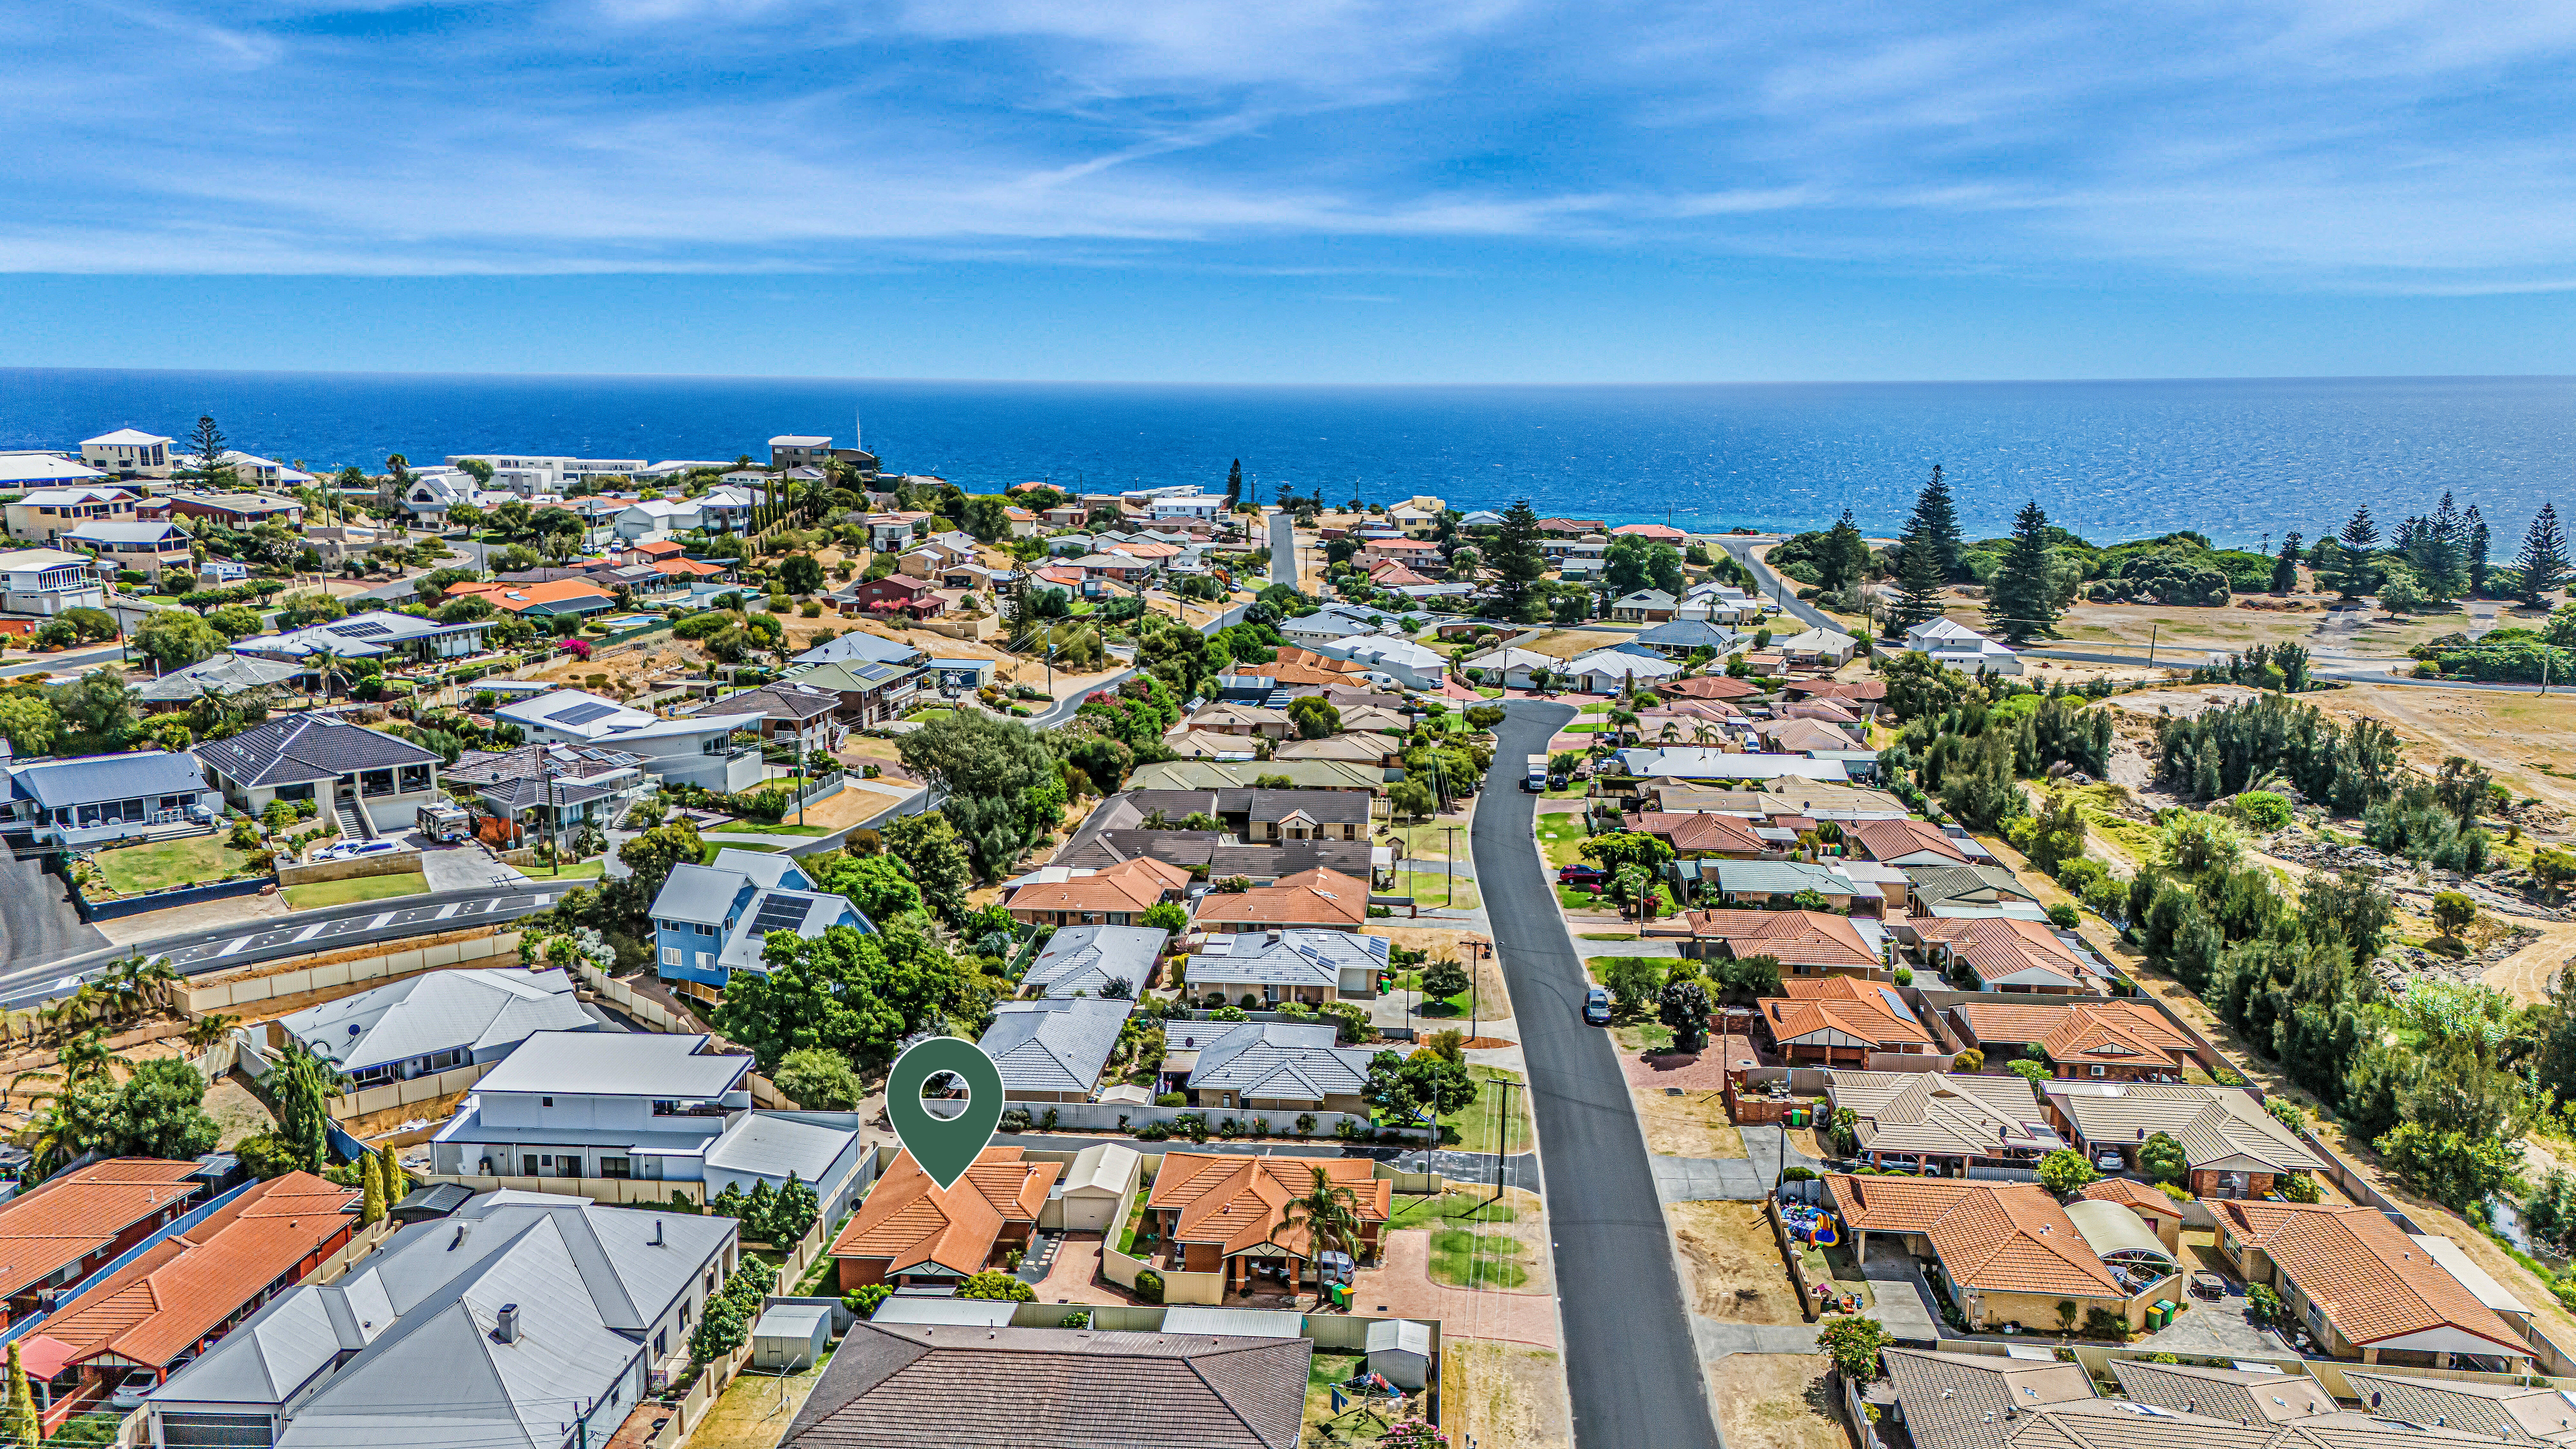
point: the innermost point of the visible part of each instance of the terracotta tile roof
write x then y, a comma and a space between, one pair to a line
2124, 1032
658, 548
907, 1220
1700, 831
2369, 1279
1999, 947
1868, 1014
186, 1286
66, 1218
520, 597
1317, 897
1709, 686
1130, 885
1296, 666
1235, 1201
1861, 689
1826, 708
1994, 1237
2130, 1193
1392, 574
689, 566
1789, 736
1889, 839
1810, 938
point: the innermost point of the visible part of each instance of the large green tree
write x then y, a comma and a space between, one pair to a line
2019, 603
935, 859
1003, 787
2542, 561
856, 993
177, 638
1515, 558
1936, 521
2354, 573
207, 446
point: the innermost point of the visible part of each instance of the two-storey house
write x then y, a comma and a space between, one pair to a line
44, 515
710, 921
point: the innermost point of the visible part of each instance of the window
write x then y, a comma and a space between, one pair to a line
671, 956
2098, 1071
545, 1101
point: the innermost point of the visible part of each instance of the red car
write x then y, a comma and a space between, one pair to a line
1582, 875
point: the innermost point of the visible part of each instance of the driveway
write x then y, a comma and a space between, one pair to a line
462, 867
37, 919
1631, 1361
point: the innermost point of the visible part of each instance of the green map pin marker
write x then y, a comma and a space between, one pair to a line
944, 1146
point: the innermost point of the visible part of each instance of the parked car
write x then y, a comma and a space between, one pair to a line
352, 850
2108, 1161
1581, 875
1596, 1006
129, 1393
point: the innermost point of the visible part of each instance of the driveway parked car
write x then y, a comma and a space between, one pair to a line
1581, 875
354, 849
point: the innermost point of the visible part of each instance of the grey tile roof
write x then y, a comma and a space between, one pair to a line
92, 778
1777, 877
225, 672
1079, 960
1957, 1400
1290, 1061
438, 1011
2249, 1398
1288, 958
2499, 1411
2218, 1127
943, 1386
296, 748
787, 701
1960, 882
1053, 1045
1688, 634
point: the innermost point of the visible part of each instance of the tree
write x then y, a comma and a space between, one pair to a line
1168, 916
935, 859
177, 638
1745, 978
793, 1212
1844, 561
29, 724
2285, 569
2452, 912
1514, 556
1918, 581
397, 1186
2354, 575
2161, 1158
819, 1079
1327, 1215
652, 854
1315, 717
1633, 981
233, 621
995, 1284
2543, 561
1854, 1342
1443, 978
2399, 593
1234, 486
1412, 799
1683, 1007
100, 709
206, 444
1936, 520
371, 1192
877, 884
21, 1427
801, 573
1409, 1089
300, 1087
858, 994
2019, 603
2065, 1173
160, 1112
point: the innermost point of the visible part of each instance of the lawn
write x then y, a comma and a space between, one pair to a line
361, 888
1429, 1210
709, 857
135, 869
753, 827
578, 870
1470, 1258
1560, 838
1481, 1125
1437, 888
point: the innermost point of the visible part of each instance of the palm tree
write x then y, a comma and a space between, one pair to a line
1328, 1214
158, 980
326, 665
207, 1030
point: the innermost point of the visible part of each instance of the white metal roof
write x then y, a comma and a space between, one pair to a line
438, 1011
616, 1064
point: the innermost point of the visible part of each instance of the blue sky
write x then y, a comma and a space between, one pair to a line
1326, 191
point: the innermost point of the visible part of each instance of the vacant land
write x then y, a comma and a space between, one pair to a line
1692, 1124
1733, 1263
1776, 1401
363, 888
1560, 839
1437, 888
2194, 630
134, 869
1505, 1395
2527, 741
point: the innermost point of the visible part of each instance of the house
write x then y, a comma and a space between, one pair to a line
480, 1329
2517, 1413
49, 581
1227, 775
100, 799
2120, 1041
1224, 1213
1681, 638
869, 692
1084, 960
2005, 1251
710, 921
426, 1024
1971, 1401
571, 717
261, 472
2157, 1209
377, 634
346, 768
44, 515
129, 453
1318, 899
144, 548
1947, 641
74, 1223
1692, 763
2365, 1289
159, 1310
2232, 1146
788, 712
1805, 943
649, 518
648, 1107
887, 1386
910, 1230
1842, 1021
1774, 884
1709, 686
1802, 736
1054, 1049
1645, 606
1942, 1121
2005, 954
860, 647
1703, 835
893, 594
1969, 891
541, 601
545, 789
1116, 895
238, 510
25, 470
1260, 969
694, 750
1273, 1066
1244, 719
224, 674
1820, 648
1357, 748
1905, 843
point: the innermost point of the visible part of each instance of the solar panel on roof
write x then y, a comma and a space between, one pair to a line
367, 629
582, 713
779, 913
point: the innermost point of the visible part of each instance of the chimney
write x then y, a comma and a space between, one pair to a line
506, 1327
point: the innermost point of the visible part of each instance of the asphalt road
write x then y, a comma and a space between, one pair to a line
38, 921
1629, 1357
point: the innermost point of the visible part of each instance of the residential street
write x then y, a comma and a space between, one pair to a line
1630, 1357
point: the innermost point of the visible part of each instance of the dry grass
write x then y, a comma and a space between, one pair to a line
1691, 1125
755, 1410
2528, 741
1733, 1263
1506, 1395
2195, 629
1776, 1401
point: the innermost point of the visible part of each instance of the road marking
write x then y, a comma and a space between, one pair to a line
544, 900
311, 931
236, 944
447, 910
384, 920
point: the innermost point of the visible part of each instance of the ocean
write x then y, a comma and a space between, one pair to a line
2242, 461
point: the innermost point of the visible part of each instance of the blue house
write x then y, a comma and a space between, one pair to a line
710, 921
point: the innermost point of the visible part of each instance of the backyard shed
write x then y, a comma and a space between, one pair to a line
1095, 1183
791, 1336
1399, 1350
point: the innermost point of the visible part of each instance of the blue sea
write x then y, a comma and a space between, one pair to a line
2242, 461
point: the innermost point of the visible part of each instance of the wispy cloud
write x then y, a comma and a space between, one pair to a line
2377, 145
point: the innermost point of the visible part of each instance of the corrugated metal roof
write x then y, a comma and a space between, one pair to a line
93, 778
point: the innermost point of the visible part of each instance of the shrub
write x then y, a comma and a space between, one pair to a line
2063, 916
1971, 1060
1904, 975
2263, 810
2063, 1172
1171, 1099
863, 1300
1149, 1286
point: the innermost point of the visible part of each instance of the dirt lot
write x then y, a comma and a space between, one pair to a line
237, 1112
1507, 1396
2195, 629
1776, 1401
1691, 1125
1734, 1264
2521, 738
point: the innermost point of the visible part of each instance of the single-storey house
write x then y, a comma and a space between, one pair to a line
911, 1230
2119, 1041
2005, 1252
99, 799
432, 1022
1053, 1049
1321, 899
1225, 1213
1842, 1021
2364, 1289
1112, 896
1263, 968
1087, 960
1805, 943
2233, 1147
1278, 1067
1943, 1121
